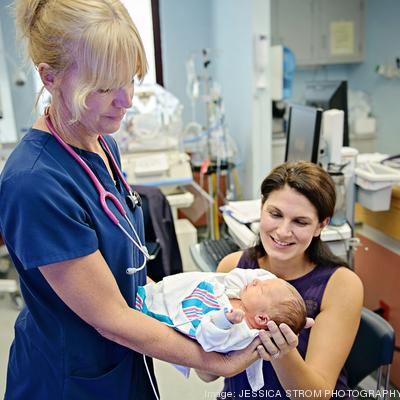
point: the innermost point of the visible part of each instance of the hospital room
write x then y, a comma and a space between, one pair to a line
212, 199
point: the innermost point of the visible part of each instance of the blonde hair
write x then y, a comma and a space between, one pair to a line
98, 36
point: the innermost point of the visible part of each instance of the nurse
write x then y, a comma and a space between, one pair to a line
78, 336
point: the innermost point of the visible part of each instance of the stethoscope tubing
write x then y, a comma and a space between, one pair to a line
104, 194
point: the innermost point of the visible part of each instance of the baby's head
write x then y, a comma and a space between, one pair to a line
273, 299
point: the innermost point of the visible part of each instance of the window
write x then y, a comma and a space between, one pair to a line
141, 14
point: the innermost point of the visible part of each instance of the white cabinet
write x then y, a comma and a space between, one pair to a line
291, 26
319, 32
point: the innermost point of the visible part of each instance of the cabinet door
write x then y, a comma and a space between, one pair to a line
319, 31
292, 26
340, 27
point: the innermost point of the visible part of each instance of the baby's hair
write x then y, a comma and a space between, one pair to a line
291, 311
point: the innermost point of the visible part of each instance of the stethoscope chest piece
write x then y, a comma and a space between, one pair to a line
133, 200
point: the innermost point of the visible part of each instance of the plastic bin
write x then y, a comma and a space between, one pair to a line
375, 183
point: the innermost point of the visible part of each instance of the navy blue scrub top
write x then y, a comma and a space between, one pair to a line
50, 212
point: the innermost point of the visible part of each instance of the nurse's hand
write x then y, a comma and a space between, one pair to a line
234, 362
278, 341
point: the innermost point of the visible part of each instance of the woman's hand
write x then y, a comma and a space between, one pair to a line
278, 341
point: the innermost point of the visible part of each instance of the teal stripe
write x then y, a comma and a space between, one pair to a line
141, 293
200, 305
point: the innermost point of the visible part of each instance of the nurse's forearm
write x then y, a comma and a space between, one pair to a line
205, 376
146, 335
88, 288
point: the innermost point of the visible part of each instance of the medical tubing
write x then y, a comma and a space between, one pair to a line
226, 310
142, 248
149, 375
144, 251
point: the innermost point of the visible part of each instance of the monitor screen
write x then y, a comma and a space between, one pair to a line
328, 95
303, 133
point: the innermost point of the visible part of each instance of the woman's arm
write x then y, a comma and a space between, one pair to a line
87, 286
330, 340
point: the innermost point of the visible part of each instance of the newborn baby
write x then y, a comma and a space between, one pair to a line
224, 311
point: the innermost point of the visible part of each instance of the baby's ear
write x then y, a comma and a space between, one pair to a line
261, 320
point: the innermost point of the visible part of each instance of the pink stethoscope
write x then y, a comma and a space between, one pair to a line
133, 197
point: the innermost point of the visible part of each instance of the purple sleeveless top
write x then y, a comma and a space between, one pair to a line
311, 287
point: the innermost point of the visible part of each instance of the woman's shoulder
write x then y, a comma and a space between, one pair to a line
345, 276
37, 167
230, 261
20, 168
343, 286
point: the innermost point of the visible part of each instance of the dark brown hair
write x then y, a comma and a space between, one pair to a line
317, 186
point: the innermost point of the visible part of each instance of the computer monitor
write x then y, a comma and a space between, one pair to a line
304, 126
328, 95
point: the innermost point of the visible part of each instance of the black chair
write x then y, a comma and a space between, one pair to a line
372, 350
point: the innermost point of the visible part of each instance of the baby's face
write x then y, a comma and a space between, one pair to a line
259, 295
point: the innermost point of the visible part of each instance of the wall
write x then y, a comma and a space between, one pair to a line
195, 25
7, 121
23, 97
382, 38
382, 33
233, 72
185, 30
247, 107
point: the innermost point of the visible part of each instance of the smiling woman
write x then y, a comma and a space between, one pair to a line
298, 199
289, 222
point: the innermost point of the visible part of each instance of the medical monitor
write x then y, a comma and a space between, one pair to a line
304, 126
328, 95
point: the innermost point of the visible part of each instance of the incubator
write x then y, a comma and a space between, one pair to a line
154, 122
